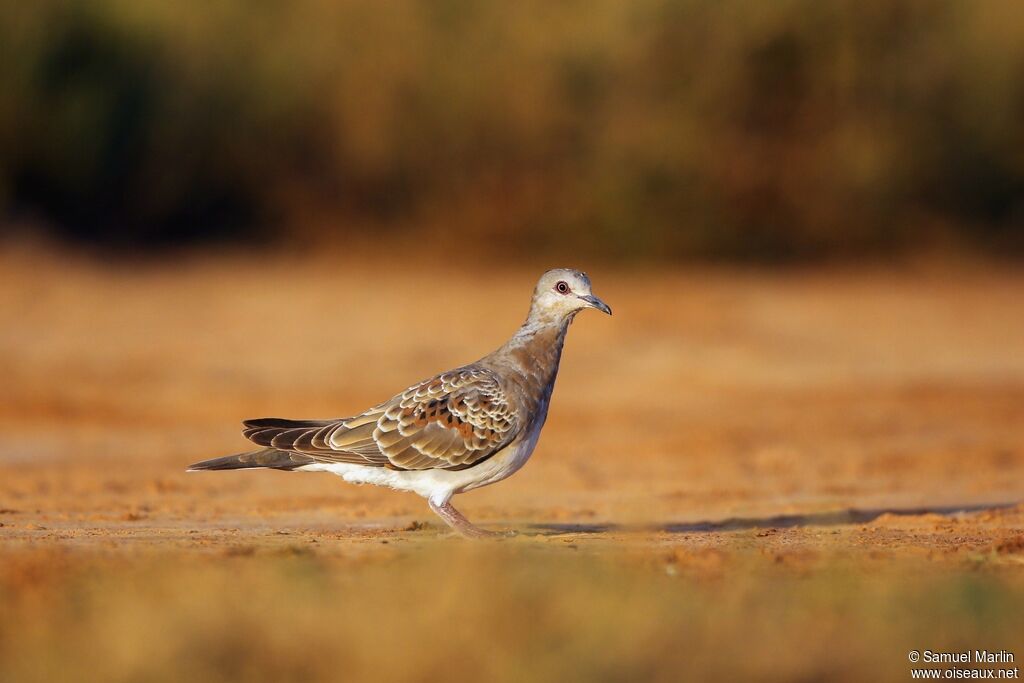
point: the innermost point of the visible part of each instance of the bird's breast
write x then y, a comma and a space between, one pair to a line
507, 462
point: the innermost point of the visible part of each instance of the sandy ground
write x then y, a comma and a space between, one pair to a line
721, 428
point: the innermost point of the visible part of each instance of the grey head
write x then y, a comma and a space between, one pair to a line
560, 294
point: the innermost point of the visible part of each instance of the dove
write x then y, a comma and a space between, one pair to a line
457, 431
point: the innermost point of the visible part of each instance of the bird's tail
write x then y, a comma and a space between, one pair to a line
265, 457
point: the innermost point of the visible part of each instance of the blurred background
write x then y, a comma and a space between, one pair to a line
795, 452
656, 129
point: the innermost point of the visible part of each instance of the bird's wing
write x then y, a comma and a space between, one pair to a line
452, 421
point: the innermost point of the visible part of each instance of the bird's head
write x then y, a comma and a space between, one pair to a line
561, 293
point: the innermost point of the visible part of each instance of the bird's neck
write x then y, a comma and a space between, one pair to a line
540, 337
534, 352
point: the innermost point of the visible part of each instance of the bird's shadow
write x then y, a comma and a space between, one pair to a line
817, 519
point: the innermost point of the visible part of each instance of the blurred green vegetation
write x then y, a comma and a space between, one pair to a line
782, 130
448, 612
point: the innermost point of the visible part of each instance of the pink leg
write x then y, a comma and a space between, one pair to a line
457, 521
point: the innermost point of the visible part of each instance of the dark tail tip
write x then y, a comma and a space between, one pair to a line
228, 462
267, 457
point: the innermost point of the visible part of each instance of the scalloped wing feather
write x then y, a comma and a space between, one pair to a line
454, 420
451, 421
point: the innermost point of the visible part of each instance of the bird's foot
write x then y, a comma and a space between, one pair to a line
474, 532
462, 526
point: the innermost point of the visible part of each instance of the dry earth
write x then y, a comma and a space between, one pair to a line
775, 475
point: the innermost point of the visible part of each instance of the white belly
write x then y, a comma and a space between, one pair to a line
439, 485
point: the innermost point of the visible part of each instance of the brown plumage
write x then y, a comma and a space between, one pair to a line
451, 421
459, 430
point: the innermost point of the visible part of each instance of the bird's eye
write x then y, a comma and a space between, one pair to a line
562, 287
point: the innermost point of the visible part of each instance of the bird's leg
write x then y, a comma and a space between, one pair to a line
457, 521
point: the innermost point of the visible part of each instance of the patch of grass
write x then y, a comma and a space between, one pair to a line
496, 612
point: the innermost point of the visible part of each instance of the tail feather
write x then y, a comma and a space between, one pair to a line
271, 458
278, 433
282, 423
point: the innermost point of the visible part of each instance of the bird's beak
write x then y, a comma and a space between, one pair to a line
594, 302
